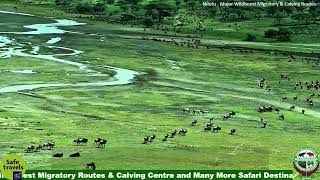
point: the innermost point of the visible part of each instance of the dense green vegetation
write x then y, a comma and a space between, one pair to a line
237, 49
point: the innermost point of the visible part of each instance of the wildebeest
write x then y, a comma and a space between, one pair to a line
303, 111
165, 137
77, 154
183, 132
145, 140
81, 141
206, 129
216, 129
152, 138
102, 143
186, 110
209, 124
194, 122
292, 108
281, 117
265, 109
264, 124
91, 165
30, 148
173, 133
232, 131
48, 145
57, 155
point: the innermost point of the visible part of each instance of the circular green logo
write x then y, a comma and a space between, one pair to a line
13, 166
306, 162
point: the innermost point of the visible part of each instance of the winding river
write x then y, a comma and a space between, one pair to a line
9, 47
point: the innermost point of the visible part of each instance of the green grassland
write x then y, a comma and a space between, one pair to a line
215, 80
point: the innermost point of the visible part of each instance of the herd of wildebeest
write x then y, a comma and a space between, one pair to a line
310, 86
193, 41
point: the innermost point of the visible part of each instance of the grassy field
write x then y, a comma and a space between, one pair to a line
215, 80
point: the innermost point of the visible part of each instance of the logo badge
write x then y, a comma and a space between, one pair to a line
13, 167
306, 162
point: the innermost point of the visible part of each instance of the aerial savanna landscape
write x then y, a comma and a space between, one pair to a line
150, 84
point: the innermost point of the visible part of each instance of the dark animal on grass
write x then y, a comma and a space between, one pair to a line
281, 117
165, 137
183, 132
57, 155
206, 129
38, 148
152, 138
77, 154
51, 145
284, 98
194, 122
265, 123
216, 129
91, 165
210, 124
102, 143
186, 110
295, 98
204, 112
81, 141
96, 141
30, 149
227, 116
145, 140
277, 110
232, 131
292, 108
232, 113
173, 133
48, 146
303, 111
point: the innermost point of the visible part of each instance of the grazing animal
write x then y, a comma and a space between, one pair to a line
194, 122
145, 140
91, 165
77, 154
165, 137
57, 155
173, 133
96, 141
210, 124
51, 145
292, 108
102, 143
183, 132
295, 98
206, 129
233, 131
303, 111
81, 141
265, 123
152, 137
30, 149
277, 110
216, 129
281, 117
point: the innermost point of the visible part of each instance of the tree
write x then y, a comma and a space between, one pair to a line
270, 33
148, 22
283, 35
83, 8
251, 37
303, 18
162, 8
